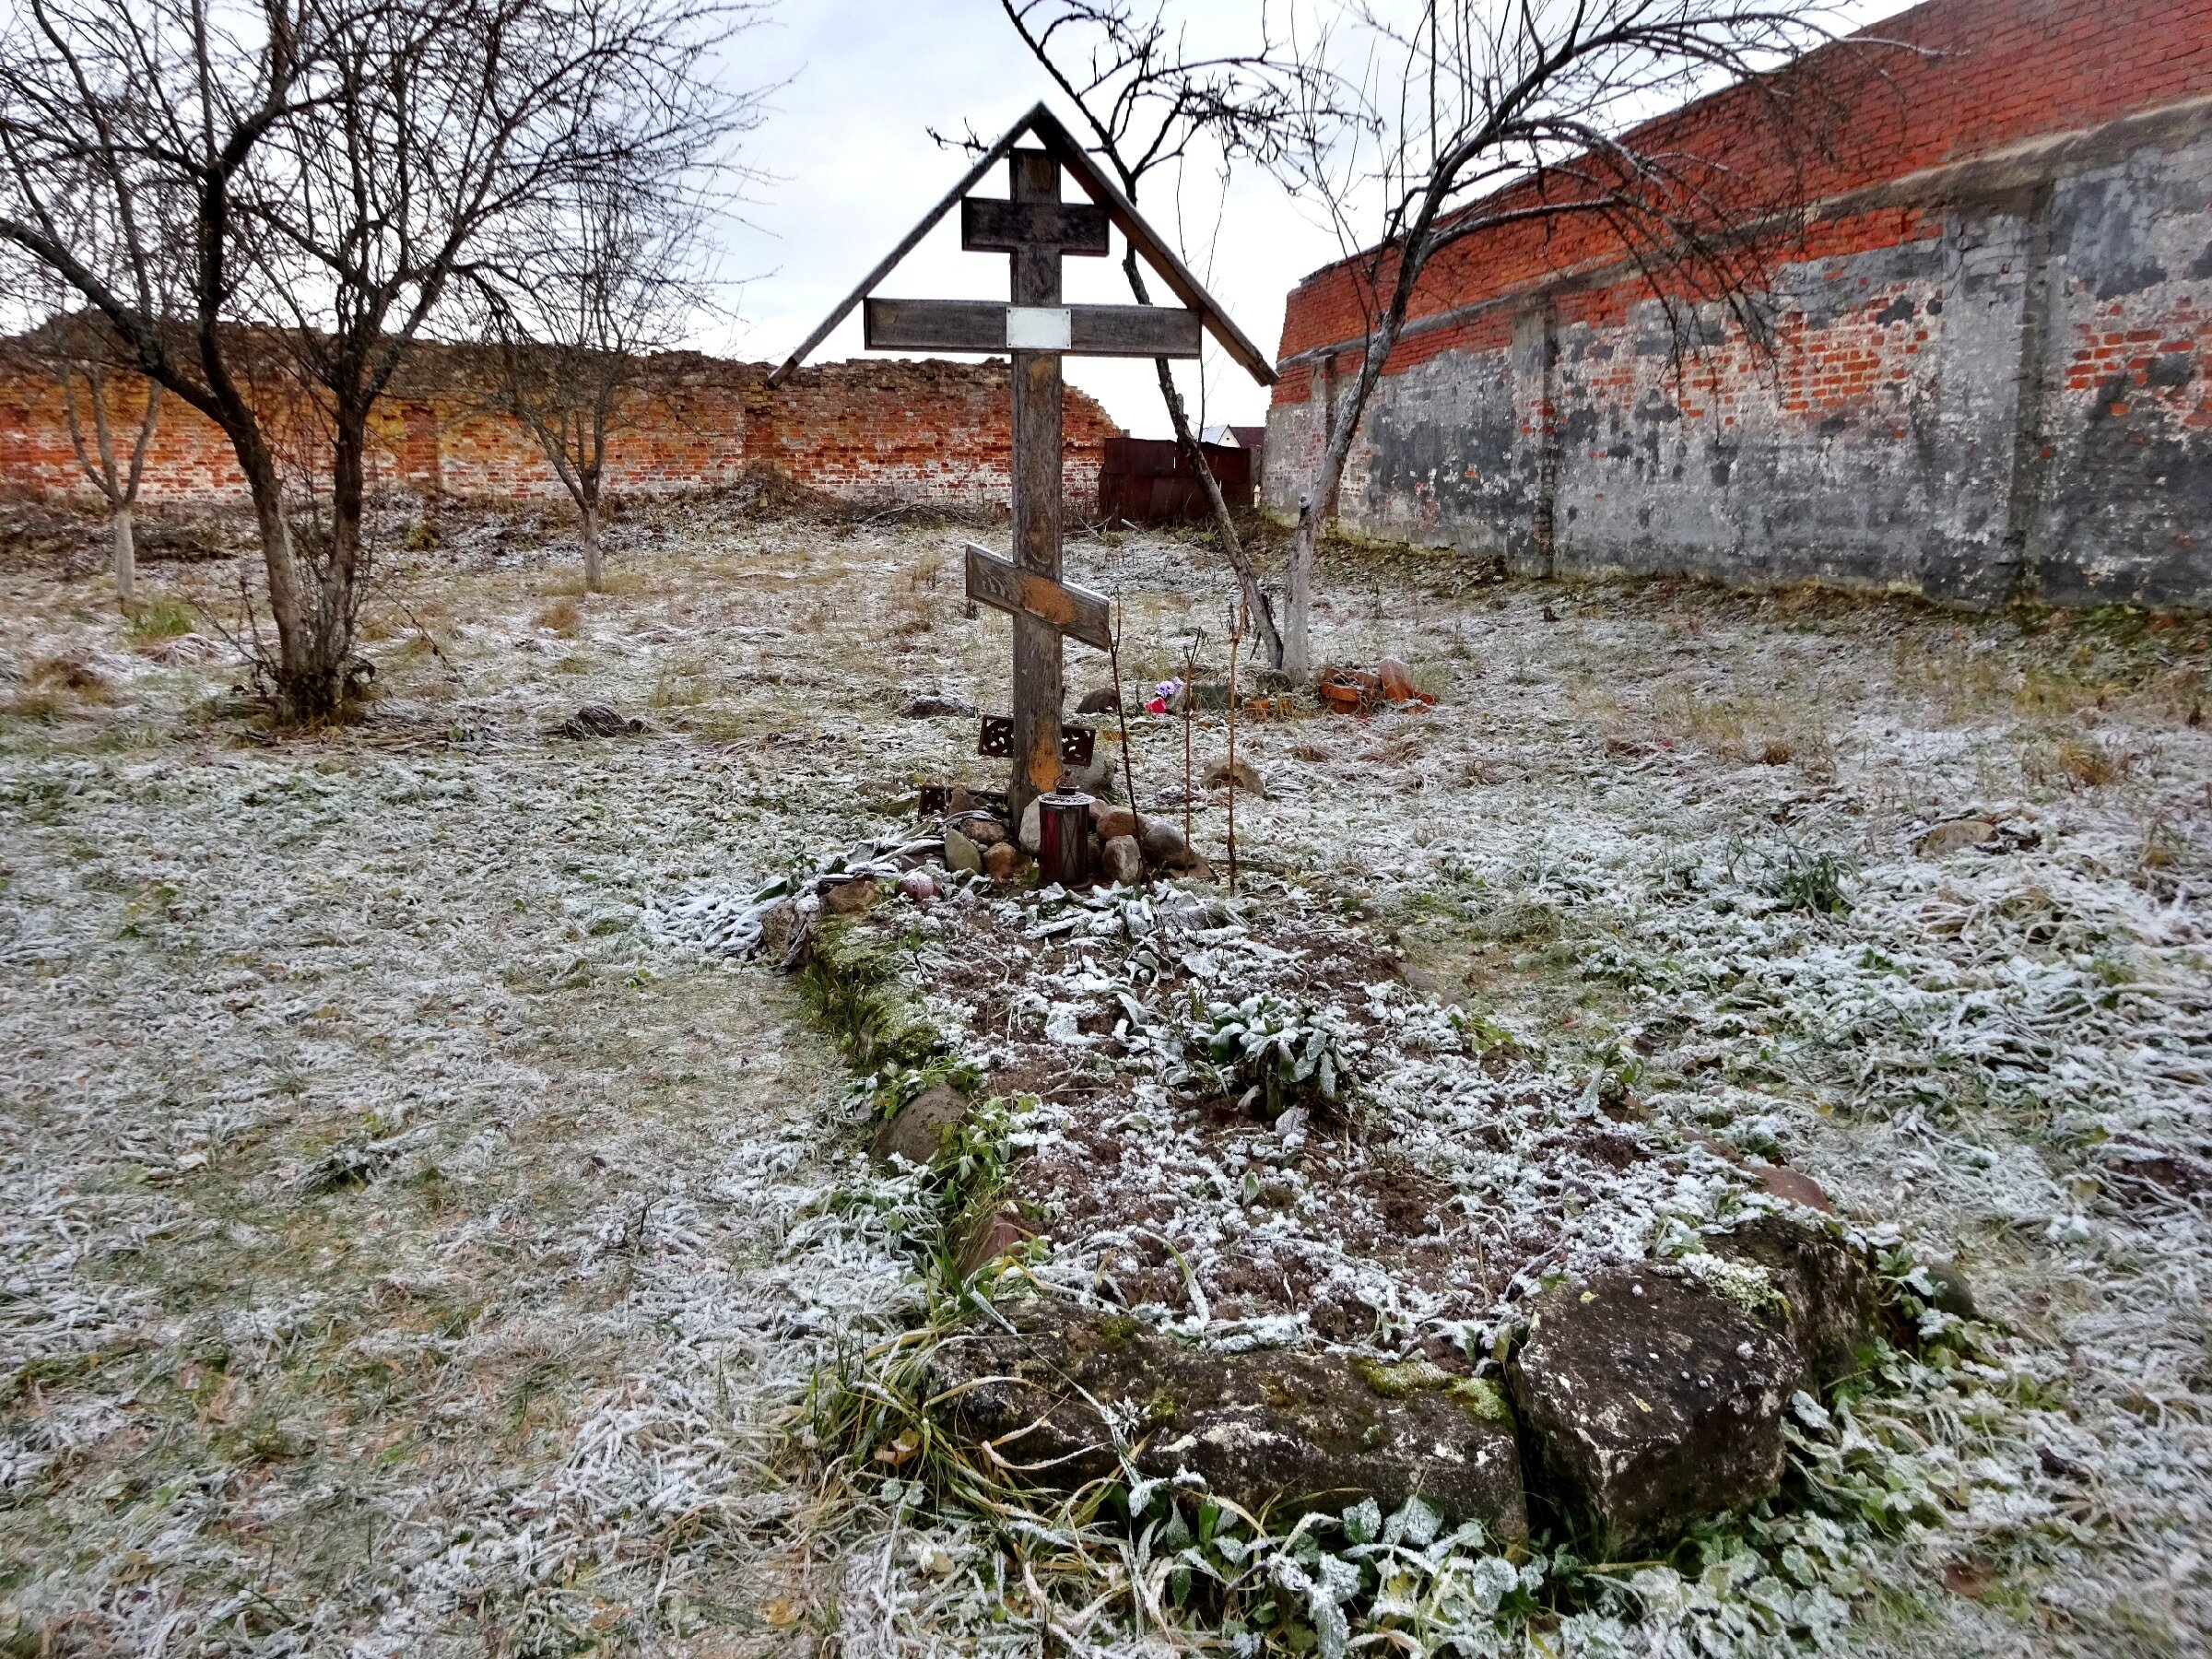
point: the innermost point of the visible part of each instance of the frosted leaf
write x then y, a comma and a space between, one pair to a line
1363, 1522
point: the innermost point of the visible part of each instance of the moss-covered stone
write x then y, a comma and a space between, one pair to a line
1483, 1399
1281, 1431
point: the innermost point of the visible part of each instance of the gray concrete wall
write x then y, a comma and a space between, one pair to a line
2014, 401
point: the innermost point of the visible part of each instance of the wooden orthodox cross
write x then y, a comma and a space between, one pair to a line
1036, 230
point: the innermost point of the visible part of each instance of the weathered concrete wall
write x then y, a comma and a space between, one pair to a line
933, 430
1990, 380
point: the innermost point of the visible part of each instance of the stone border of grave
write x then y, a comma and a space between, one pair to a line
1632, 1402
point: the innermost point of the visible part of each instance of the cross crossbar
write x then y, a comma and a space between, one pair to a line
1003, 585
1145, 331
989, 226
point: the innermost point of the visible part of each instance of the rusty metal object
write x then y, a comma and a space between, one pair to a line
1064, 837
995, 737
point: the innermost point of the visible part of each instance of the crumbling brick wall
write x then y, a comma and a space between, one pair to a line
1990, 368
931, 431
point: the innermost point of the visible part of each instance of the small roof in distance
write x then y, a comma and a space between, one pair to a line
1042, 125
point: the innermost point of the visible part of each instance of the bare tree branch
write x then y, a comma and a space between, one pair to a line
1151, 104
1475, 119
269, 203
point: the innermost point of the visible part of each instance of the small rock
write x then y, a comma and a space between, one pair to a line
994, 1233
1246, 775
1108, 823
1002, 861
933, 706
1795, 1186
1121, 859
1284, 1431
983, 831
1104, 700
778, 923
1272, 680
916, 1130
1652, 1400
1031, 818
1827, 1297
1094, 780
1778, 1181
596, 720
961, 853
1209, 694
1953, 1294
1164, 846
850, 898
1956, 836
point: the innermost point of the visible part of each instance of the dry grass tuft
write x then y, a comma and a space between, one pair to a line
675, 690
2084, 762
72, 675
563, 617
2090, 764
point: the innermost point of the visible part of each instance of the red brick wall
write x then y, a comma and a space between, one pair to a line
1993, 364
1983, 75
931, 430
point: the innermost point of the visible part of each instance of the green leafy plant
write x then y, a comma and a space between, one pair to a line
1814, 883
1279, 1053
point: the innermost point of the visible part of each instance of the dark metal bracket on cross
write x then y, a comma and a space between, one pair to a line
1036, 230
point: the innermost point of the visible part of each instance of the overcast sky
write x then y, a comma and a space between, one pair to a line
850, 166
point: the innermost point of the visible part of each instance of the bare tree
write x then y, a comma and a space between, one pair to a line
76, 351
1149, 103
570, 349
1477, 116
269, 204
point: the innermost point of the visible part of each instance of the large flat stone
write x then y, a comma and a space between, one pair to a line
1278, 1431
1650, 1398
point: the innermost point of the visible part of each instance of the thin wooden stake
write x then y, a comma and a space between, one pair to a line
1238, 617
1190, 695
1121, 715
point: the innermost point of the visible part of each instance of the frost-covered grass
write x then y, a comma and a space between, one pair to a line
406, 1250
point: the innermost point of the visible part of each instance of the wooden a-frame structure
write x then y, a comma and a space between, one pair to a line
1056, 141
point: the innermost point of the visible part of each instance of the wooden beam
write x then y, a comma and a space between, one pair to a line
1153, 331
988, 226
1003, 585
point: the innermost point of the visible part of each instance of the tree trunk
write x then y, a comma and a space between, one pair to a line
312, 608
283, 571
126, 559
1342, 426
594, 577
